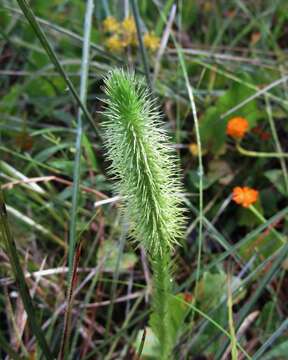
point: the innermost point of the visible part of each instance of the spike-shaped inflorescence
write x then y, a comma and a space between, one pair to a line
143, 162
145, 169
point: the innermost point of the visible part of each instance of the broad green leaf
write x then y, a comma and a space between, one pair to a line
109, 251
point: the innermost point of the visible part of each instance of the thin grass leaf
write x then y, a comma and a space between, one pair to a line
79, 131
27, 11
245, 310
8, 242
141, 43
72, 263
268, 343
5, 346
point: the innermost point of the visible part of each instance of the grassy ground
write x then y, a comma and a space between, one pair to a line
206, 62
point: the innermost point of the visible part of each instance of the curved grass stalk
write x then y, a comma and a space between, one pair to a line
250, 153
146, 171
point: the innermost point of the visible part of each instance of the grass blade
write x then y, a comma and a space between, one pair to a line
141, 44
282, 254
283, 327
73, 258
7, 348
7, 240
78, 145
27, 11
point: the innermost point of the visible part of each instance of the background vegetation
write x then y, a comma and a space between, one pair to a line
206, 62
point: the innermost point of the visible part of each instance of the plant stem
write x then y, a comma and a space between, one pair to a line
78, 145
161, 319
277, 141
263, 220
250, 153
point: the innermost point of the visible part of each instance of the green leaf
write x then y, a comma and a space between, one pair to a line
109, 251
264, 245
210, 290
151, 348
207, 181
65, 166
9, 102
212, 287
213, 123
178, 311
247, 218
277, 179
235, 95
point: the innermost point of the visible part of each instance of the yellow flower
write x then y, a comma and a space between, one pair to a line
151, 41
129, 32
110, 24
114, 44
194, 149
128, 26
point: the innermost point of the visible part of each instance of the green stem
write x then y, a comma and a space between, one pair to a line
264, 221
250, 153
161, 319
78, 143
277, 141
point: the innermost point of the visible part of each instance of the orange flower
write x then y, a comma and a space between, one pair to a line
237, 127
244, 196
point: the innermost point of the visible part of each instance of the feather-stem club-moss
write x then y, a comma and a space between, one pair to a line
142, 162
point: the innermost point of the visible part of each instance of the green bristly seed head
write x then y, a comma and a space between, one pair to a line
142, 162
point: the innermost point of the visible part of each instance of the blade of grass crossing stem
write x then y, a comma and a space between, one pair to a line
141, 44
79, 136
161, 22
27, 11
200, 163
283, 327
69, 303
7, 240
73, 258
281, 256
